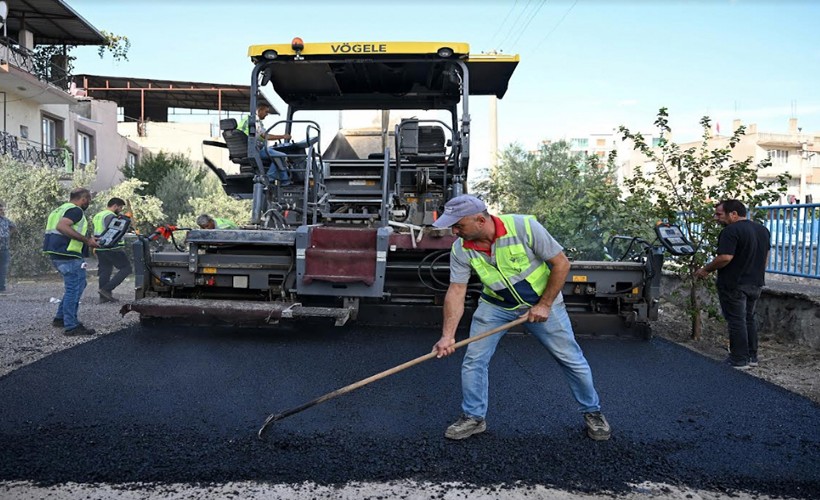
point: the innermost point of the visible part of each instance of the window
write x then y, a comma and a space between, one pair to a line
49, 133
600, 143
656, 141
579, 143
131, 161
779, 156
84, 149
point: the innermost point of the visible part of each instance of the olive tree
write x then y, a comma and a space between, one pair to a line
576, 198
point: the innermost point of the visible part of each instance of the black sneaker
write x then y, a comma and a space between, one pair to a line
58, 322
597, 427
106, 296
80, 330
737, 365
753, 360
465, 427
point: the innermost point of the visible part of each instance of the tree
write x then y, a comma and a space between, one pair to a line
684, 186
178, 187
30, 195
146, 210
152, 169
576, 199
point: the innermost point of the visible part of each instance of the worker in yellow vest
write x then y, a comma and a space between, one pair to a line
205, 221
110, 258
523, 270
67, 243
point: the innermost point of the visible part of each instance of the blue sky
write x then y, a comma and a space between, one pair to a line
587, 66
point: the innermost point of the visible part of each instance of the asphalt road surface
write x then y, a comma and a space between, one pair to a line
175, 405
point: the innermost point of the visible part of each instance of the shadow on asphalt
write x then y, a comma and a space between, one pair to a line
184, 405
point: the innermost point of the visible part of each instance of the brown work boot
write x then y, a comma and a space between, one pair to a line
597, 427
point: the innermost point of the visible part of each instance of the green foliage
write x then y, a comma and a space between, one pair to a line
55, 62
216, 203
84, 177
146, 210
30, 194
178, 187
576, 199
685, 185
117, 45
152, 169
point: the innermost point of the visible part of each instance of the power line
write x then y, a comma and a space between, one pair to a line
498, 30
514, 24
556, 24
534, 14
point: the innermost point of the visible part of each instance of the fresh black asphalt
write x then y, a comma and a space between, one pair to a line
184, 405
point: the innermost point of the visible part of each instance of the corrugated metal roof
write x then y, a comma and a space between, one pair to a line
170, 93
52, 22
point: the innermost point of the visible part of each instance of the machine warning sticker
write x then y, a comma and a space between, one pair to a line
361, 183
579, 279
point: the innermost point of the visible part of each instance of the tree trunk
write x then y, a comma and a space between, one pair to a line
695, 312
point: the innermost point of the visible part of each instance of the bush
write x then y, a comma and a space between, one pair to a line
30, 193
152, 169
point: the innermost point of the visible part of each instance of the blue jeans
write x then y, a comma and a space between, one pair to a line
278, 170
738, 306
73, 272
5, 258
555, 334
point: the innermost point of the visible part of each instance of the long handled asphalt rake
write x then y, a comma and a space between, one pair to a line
361, 383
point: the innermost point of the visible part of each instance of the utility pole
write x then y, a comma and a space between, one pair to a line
493, 134
493, 131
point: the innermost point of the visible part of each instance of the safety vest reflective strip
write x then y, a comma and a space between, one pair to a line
99, 228
514, 261
224, 224
54, 243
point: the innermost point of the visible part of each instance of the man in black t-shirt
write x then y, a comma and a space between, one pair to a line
742, 253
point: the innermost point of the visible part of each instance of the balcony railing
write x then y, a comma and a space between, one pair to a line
46, 71
14, 54
56, 158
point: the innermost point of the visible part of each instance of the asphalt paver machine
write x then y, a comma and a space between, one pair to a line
341, 226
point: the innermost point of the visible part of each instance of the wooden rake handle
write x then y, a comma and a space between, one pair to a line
386, 373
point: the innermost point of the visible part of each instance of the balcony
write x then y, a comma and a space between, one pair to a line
20, 73
32, 153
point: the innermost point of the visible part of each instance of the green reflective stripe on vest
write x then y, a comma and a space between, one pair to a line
74, 247
514, 261
224, 224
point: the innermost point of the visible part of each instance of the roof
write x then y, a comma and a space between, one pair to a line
127, 91
52, 22
380, 75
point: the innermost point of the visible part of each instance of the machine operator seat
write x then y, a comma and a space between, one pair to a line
237, 142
